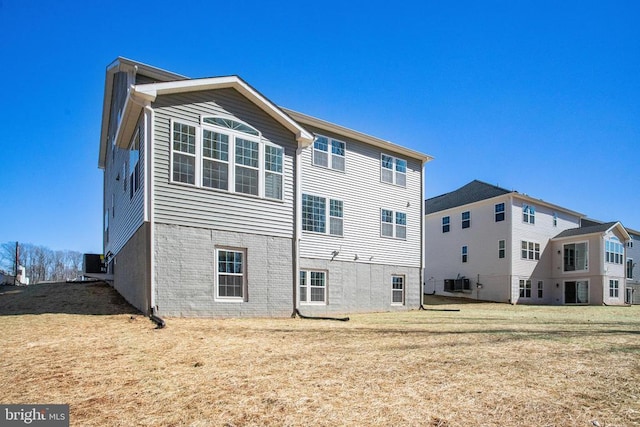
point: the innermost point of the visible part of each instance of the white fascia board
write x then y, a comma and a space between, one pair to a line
153, 90
358, 136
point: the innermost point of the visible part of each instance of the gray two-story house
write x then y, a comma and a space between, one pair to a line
217, 202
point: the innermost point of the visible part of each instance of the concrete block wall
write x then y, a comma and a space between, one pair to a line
185, 269
361, 287
131, 270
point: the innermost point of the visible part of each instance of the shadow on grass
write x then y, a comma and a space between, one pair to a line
67, 298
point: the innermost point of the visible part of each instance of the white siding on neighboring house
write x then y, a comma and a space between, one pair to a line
183, 204
548, 223
481, 238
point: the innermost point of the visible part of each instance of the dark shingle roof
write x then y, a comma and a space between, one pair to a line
472, 192
598, 228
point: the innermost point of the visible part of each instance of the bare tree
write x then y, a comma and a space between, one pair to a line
41, 263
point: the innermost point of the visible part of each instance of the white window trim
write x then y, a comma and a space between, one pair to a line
404, 289
617, 288
586, 257
231, 163
308, 287
394, 223
503, 249
540, 250
216, 296
395, 172
564, 285
464, 252
529, 214
327, 216
521, 288
329, 154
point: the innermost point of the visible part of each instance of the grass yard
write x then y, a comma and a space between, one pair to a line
486, 365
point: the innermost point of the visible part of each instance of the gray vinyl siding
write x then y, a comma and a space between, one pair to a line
129, 211
364, 195
118, 98
183, 204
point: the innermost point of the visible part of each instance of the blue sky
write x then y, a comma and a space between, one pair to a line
538, 96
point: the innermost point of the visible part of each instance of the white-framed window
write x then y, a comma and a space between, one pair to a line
499, 212
465, 253
228, 155
397, 289
630, 268
530, 250
316, 209
313, 287
555, 219
502, 248
231, 279
614, 251
576, 256
529, 214
576, 292
540, 289
525, 288
134, 168
393, 170
329, 153
614, 288
446, 226
466, 219
183, 144
215, 159
393, 224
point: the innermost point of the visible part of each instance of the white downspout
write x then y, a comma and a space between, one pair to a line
423, 234
150, 203
297, 229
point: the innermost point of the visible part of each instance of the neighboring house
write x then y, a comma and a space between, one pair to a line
632, 270
219, 203
490, 243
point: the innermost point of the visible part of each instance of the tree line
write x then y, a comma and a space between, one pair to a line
41, 263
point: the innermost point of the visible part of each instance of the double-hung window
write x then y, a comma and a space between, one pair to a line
329, 153
525, 288
397, 290
465, 253
393, 224
502, 248
184, 153
313, 287
231, 275
134, 168
215, 159
393, 170
224, 154
630, 268
529, 214
499, 209
614, 289
466, 219
530, 250
540, 288
316, 209
446, 224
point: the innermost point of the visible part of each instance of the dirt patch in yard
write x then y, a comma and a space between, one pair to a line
488, 364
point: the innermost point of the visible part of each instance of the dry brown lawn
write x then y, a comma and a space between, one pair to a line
486, 365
